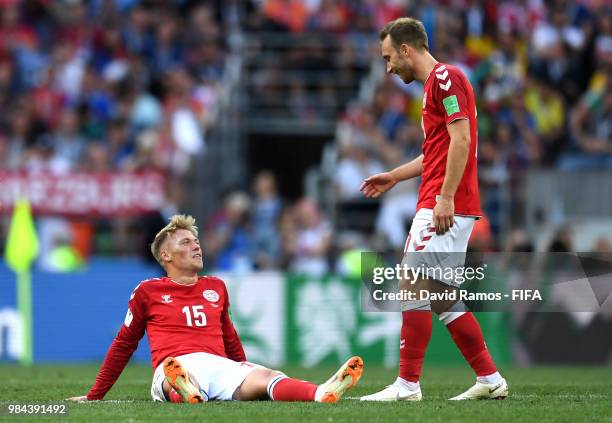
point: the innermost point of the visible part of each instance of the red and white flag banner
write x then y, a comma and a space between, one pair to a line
84, 193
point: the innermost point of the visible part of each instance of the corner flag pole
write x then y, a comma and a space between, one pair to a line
24, 305
21, 250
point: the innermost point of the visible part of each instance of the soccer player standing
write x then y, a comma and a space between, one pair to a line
195, 350
447, 207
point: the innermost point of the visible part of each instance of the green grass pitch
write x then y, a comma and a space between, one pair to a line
540, 394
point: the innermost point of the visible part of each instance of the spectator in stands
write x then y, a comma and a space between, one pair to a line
357, 137
97, 157
67, 140
591, 129
311, 245
136, 34
330, 16
286, 14
266, 212
603, 245
561, 242
120, 144
228, 236
519, 242
355, 164
42, 157
546, 106
20, 135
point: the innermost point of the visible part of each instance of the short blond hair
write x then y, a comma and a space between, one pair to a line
178, 221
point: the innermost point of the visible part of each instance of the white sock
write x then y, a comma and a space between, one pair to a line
411, 386
492, 378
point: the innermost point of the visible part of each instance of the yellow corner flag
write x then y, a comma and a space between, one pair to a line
21, 250
22, 242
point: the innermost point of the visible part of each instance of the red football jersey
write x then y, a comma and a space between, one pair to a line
179, 319
448, 96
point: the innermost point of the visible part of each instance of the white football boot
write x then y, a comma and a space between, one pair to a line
395, 392
498, 390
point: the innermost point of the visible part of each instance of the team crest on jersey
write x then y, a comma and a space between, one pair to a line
211, 295
166, 298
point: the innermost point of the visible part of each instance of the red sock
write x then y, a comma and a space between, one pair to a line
287, 389
174, 396
414, 337
467, 334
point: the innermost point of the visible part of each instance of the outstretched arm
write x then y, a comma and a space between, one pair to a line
116, 359
409, 170
375, 185
118, 354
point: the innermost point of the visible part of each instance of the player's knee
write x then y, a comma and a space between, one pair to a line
263, 375
271, 374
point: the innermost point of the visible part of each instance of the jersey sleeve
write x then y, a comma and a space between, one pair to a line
231, 341
452, 96
123, 346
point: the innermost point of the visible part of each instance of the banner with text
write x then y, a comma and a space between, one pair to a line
84, 193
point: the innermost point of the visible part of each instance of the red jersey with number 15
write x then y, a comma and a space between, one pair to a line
179, 319
448, 96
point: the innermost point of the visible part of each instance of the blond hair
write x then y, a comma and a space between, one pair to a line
405, 31
178, 221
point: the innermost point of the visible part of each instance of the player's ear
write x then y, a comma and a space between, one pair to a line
405, 49
165, 256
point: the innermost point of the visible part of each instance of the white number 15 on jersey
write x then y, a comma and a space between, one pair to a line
199, 318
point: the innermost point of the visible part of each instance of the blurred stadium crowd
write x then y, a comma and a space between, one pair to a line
126, 85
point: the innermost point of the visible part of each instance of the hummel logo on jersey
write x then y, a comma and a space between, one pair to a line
442, 74
166, 298
446, 86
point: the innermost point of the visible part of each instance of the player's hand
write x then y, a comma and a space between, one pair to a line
377, 184
443, 215
78, 399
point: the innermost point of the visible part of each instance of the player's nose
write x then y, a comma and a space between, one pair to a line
389, 68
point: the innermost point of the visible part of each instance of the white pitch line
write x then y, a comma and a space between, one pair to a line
107, 402
525, 396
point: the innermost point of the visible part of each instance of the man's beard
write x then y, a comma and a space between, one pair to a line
407, 76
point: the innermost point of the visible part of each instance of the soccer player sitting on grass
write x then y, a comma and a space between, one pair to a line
195, 350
